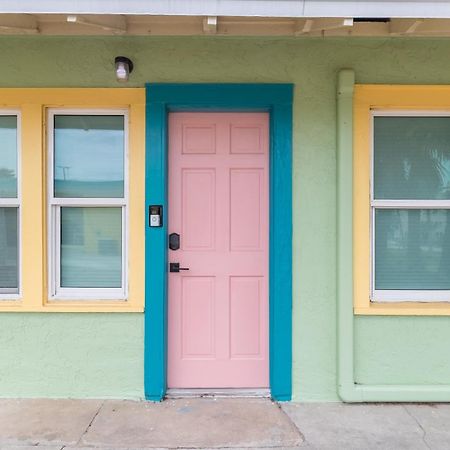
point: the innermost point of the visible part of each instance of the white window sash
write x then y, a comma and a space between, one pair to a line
411, 204
425, 296
12, 293
80, 202
401, 295
56, 292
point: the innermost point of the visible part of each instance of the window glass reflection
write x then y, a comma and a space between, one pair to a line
8, 156
9, 279
89, 156
91, 247
412, 158
412, 249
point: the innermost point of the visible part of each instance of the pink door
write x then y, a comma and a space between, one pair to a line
218, 204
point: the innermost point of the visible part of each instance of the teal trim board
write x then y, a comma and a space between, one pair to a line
277, 100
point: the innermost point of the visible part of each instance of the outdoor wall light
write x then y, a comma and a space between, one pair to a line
124, 66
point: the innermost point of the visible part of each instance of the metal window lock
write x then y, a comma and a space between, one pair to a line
155, 213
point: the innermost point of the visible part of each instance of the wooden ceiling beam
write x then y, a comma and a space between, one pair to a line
114, 24
19, 24
319, 25
404, 26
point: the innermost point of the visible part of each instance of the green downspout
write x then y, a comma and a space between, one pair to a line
348, 390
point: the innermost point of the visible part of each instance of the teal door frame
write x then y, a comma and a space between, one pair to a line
277, 100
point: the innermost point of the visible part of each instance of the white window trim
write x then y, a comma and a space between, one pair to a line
55, 291
15, 294
400, 295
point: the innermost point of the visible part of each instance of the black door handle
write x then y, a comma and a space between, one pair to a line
175, 267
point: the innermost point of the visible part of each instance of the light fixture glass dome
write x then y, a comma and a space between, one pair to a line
124, 66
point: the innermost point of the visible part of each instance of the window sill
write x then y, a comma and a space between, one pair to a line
79, 297
404, 309
9, 297
72, 306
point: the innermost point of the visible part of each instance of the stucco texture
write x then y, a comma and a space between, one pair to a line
71, 355
86, 355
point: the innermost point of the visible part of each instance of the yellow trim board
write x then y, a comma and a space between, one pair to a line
405, 309
366, 99
33, 103
71, 306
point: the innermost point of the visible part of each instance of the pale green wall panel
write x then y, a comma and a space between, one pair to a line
71, 355
402, 350
312, 64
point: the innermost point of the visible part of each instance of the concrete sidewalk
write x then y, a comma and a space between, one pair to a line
219, 423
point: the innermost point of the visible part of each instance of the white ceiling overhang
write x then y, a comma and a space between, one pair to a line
226, 17
243, 8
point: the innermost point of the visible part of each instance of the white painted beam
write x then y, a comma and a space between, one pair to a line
303, 27
210, 25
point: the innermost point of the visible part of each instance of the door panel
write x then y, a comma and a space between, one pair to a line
246, 209
197, 317
218, 203
247, 305
198, 209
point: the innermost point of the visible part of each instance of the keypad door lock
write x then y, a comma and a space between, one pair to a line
174, 241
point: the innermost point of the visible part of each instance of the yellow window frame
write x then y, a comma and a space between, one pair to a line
33, 104
366, 99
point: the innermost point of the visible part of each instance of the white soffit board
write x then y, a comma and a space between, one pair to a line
378, 8
239, 8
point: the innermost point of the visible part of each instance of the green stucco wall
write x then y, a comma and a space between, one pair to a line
100, 355
71, 355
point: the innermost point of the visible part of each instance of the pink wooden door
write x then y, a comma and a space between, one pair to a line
218, 203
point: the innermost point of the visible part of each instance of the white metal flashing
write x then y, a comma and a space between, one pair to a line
239, 8
218, 393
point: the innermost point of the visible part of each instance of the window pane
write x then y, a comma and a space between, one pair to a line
8, 250
91, 247
8, 156
412, 158
89, 156
412, 249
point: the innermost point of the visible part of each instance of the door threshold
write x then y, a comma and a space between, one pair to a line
218, 393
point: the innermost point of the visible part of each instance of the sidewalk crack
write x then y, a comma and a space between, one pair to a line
90, 423
424, 433
293, 424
